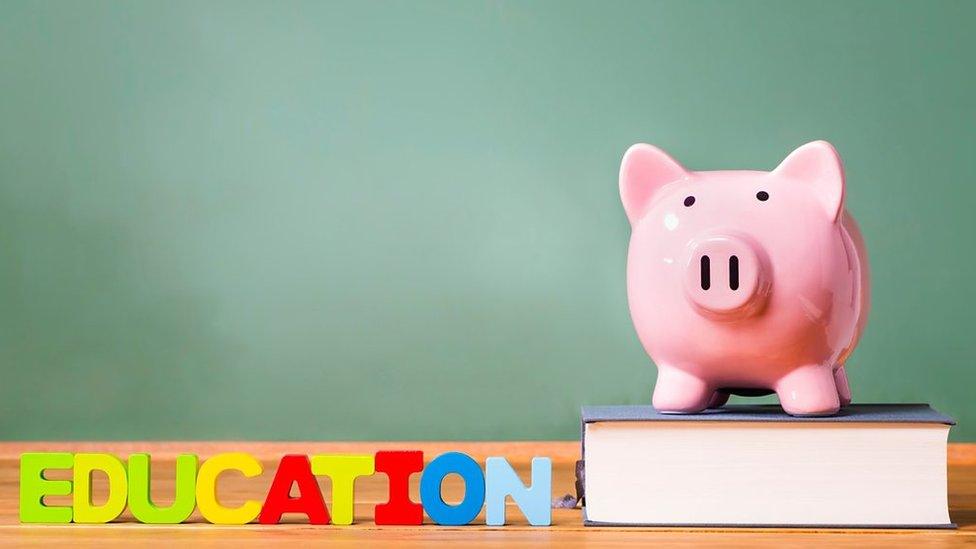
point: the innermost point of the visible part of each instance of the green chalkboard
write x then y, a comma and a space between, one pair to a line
400, 220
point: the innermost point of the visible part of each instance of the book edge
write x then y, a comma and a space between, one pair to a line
588, 415
581, 496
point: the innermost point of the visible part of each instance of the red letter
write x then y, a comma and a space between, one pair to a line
398, 467
294, 468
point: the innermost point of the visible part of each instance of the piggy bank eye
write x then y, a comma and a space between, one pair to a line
689, 201
762, 196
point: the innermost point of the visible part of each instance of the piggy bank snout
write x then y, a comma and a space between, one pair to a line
725, 276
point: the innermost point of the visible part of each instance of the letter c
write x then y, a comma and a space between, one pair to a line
207, 502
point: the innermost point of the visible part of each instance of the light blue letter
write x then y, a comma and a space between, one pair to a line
535, 502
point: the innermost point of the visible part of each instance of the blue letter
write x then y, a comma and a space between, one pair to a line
474, 489
535, 502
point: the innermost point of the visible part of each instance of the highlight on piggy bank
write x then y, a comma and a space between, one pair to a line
197, 488
745, 282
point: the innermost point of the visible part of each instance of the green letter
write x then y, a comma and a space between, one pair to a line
33, 487
140, 503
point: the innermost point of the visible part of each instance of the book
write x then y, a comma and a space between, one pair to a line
870, 466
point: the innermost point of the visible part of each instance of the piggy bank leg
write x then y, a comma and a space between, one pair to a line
809, 391
679, 392
718, 399
843, 388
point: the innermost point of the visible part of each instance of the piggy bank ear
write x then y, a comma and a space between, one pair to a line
817, 164
645, 168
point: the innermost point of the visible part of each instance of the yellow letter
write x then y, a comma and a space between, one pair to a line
118, 490
343, 470
207, 502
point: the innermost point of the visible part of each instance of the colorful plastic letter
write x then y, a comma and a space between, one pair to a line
33, 487
292, 469
343, 471
207, 502
140, 502
474, 489
501, 481
398, 467
84, 510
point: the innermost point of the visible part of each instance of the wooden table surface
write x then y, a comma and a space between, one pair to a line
567, 529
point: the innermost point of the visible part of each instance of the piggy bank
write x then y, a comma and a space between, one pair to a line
745, 282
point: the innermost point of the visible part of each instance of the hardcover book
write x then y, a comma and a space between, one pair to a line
870, 466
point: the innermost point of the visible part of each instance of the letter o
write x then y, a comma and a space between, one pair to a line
474, 489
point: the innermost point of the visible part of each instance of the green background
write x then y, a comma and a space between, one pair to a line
400, 220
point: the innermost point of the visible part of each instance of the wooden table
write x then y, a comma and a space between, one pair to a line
567, 529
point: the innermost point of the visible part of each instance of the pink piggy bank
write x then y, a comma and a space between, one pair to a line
745, 282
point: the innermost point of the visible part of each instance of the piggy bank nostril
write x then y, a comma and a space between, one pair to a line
706, 275
734, 273
724, 276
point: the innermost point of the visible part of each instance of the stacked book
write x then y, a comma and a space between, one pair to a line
872, 465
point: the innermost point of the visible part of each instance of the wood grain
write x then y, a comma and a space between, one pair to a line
567, 529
